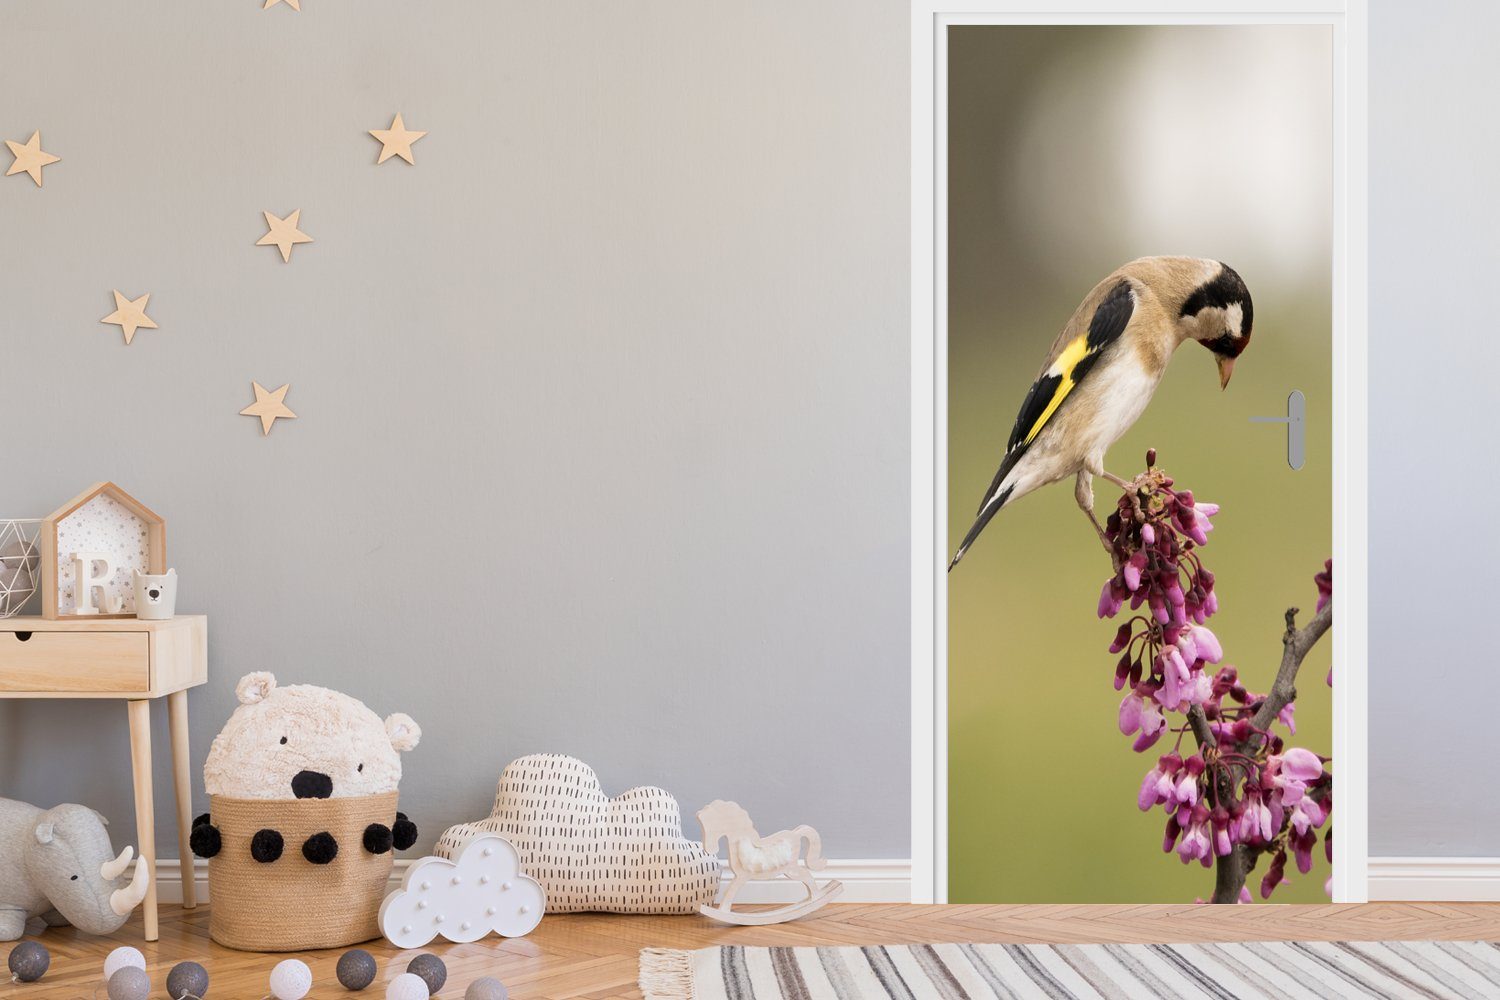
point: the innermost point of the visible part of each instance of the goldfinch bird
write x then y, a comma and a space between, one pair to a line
1104, 367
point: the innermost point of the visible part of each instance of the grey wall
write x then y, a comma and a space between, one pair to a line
603, 432
1433, 357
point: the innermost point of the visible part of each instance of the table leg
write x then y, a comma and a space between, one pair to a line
182, 780
145, 815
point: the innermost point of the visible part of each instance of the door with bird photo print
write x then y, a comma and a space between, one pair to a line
1139, 477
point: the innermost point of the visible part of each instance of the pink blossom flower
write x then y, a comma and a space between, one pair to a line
1324, 580
1140, 714
1159, 782
1255, 820
1174, 676
1195, 527
1205, 644
1223, 842
1275, 875
1109, 603
1199, 690
1195, 843
1184, 793
1297, 764
1307, 814
1302, 847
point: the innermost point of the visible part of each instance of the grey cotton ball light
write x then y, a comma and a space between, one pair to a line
356, 969
129, 983
431, 970
28, 961
488, 988
187, 979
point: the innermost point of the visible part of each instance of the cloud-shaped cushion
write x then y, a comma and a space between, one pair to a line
591, 852
464, 900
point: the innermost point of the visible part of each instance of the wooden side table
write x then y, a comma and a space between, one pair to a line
135, 661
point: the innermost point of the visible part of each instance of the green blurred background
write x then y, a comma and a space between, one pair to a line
1071, 151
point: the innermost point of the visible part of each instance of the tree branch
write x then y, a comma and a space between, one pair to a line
1231, 869
1295, 645
1230, 873
1201, 730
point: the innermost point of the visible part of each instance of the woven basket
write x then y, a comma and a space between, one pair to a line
292, 904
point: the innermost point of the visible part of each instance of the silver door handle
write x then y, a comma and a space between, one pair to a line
1296, 435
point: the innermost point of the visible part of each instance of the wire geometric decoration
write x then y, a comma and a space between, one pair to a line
20, 563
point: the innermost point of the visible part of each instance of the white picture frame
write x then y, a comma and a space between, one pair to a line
929, 530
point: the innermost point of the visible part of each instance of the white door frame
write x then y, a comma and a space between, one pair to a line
929, 393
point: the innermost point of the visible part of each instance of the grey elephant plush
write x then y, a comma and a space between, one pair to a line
57, 864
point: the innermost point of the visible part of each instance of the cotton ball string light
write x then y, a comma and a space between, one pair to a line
487, 988
129, 983
28, 962
123, 957
187, 981
356, 969
290, 980
431, 970
407, 987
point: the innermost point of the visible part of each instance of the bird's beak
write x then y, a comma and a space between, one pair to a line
1226, 369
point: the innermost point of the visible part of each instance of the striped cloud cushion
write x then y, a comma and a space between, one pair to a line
1253, 970
625, 854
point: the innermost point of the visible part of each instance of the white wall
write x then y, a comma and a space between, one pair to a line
1434, 354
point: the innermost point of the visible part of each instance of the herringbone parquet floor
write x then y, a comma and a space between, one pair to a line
594, 956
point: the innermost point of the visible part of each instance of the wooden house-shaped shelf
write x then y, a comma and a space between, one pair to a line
107, 521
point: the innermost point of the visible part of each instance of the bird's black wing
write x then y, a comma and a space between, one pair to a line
1067, 370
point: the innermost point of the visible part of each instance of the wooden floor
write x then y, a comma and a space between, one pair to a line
592, 955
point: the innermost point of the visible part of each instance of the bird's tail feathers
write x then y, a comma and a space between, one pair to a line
986, 512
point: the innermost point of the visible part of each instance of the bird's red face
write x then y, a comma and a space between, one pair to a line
1220, 316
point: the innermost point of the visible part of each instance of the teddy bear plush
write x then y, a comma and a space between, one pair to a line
305, 742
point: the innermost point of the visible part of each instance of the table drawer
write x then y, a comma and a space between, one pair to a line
74, 661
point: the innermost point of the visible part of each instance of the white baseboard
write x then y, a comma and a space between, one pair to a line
879, 880
1455, 880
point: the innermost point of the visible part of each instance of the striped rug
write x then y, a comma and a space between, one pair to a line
1262, 970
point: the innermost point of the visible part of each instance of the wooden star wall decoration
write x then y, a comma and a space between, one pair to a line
283, 234
294, 4
30, 158
396, 141
268, 406
130, 315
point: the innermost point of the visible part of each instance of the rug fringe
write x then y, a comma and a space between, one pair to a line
666, 974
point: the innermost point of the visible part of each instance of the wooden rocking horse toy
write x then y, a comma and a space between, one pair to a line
756, 858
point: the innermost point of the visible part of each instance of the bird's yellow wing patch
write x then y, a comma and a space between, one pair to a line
1067, 371
1071, 366
1062, 370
